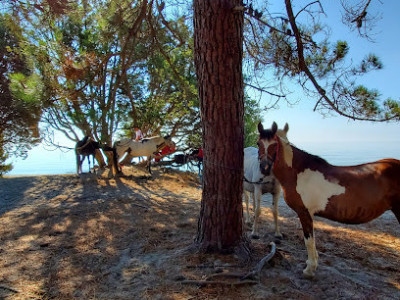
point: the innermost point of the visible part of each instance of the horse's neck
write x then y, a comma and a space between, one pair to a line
283, 164
159, 141
285, 154
293, 160
122, 146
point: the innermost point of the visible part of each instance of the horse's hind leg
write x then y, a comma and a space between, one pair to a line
149, 158
257, 211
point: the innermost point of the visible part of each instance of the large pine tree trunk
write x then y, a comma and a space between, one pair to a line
218, 39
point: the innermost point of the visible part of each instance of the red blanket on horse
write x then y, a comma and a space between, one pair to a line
164, 152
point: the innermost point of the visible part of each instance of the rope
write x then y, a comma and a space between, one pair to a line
254, 182
221, 166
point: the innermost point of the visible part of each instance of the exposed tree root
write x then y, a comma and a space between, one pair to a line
253, 277
8, 289
218, 282
257, 270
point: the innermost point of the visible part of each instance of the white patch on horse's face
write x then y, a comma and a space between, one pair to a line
315, 190
267, 142
287, 149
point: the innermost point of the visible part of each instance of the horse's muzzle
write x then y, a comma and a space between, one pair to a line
265, 167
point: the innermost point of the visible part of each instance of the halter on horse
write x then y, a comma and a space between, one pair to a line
312, 186
148, 147
255, 184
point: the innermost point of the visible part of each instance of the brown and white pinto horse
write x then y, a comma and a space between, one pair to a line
312, 186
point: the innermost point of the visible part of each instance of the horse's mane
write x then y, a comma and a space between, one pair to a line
82, 141
309, 160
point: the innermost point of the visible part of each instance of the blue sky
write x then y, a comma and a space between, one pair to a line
305, 125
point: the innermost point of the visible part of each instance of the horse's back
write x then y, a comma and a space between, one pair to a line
121, 142
250, 158
81, 142
250, 152
369, 190
388, 168
146, 147
252, 170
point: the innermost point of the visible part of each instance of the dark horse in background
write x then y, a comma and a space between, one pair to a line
87, 147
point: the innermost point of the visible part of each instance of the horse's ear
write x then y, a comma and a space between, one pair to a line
260, 127
286, 128
274, 128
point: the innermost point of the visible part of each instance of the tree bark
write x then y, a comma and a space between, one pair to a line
218, 40
100, 159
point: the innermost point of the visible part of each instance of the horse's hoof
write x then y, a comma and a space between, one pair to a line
279, 236
308, 274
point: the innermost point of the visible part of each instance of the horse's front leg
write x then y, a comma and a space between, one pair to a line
309, 240
149, 158
246, 200
88, 159
275, 196
94, 169
257, 211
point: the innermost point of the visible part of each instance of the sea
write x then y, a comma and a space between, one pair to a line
42, 161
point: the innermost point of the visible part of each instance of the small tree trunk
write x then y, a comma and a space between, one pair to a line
218, 39
99, 158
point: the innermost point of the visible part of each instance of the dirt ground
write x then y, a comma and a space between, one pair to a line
64, 237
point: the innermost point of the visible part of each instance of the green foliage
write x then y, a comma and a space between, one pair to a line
298, 48
252, 116
96, 67
20, 106
341, 50
109, 65
4, 167
366, 101
371, 62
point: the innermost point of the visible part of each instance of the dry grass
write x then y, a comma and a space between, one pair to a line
64, 237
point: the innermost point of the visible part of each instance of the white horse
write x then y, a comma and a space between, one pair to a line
147, 147
255, 184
